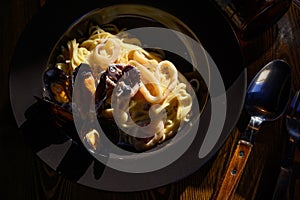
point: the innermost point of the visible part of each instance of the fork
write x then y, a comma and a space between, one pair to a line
286, 169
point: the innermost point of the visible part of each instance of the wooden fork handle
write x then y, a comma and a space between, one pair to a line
283, 183
234, 171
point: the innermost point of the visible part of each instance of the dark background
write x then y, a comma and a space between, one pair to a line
24, 176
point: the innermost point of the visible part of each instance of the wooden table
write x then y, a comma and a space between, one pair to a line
24, 176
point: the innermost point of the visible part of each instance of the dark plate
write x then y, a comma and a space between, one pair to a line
65, 153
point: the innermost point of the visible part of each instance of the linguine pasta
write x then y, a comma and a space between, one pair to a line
160, 85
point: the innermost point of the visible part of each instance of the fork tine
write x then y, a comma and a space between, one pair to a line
294, 108
297, 112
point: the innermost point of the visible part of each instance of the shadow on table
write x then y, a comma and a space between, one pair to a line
40, 132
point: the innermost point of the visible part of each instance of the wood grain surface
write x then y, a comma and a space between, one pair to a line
25, 176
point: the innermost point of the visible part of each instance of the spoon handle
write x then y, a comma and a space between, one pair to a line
234, 171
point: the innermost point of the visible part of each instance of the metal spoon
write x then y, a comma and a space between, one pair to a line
266, 100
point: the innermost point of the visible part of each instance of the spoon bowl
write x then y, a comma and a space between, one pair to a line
269, 91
